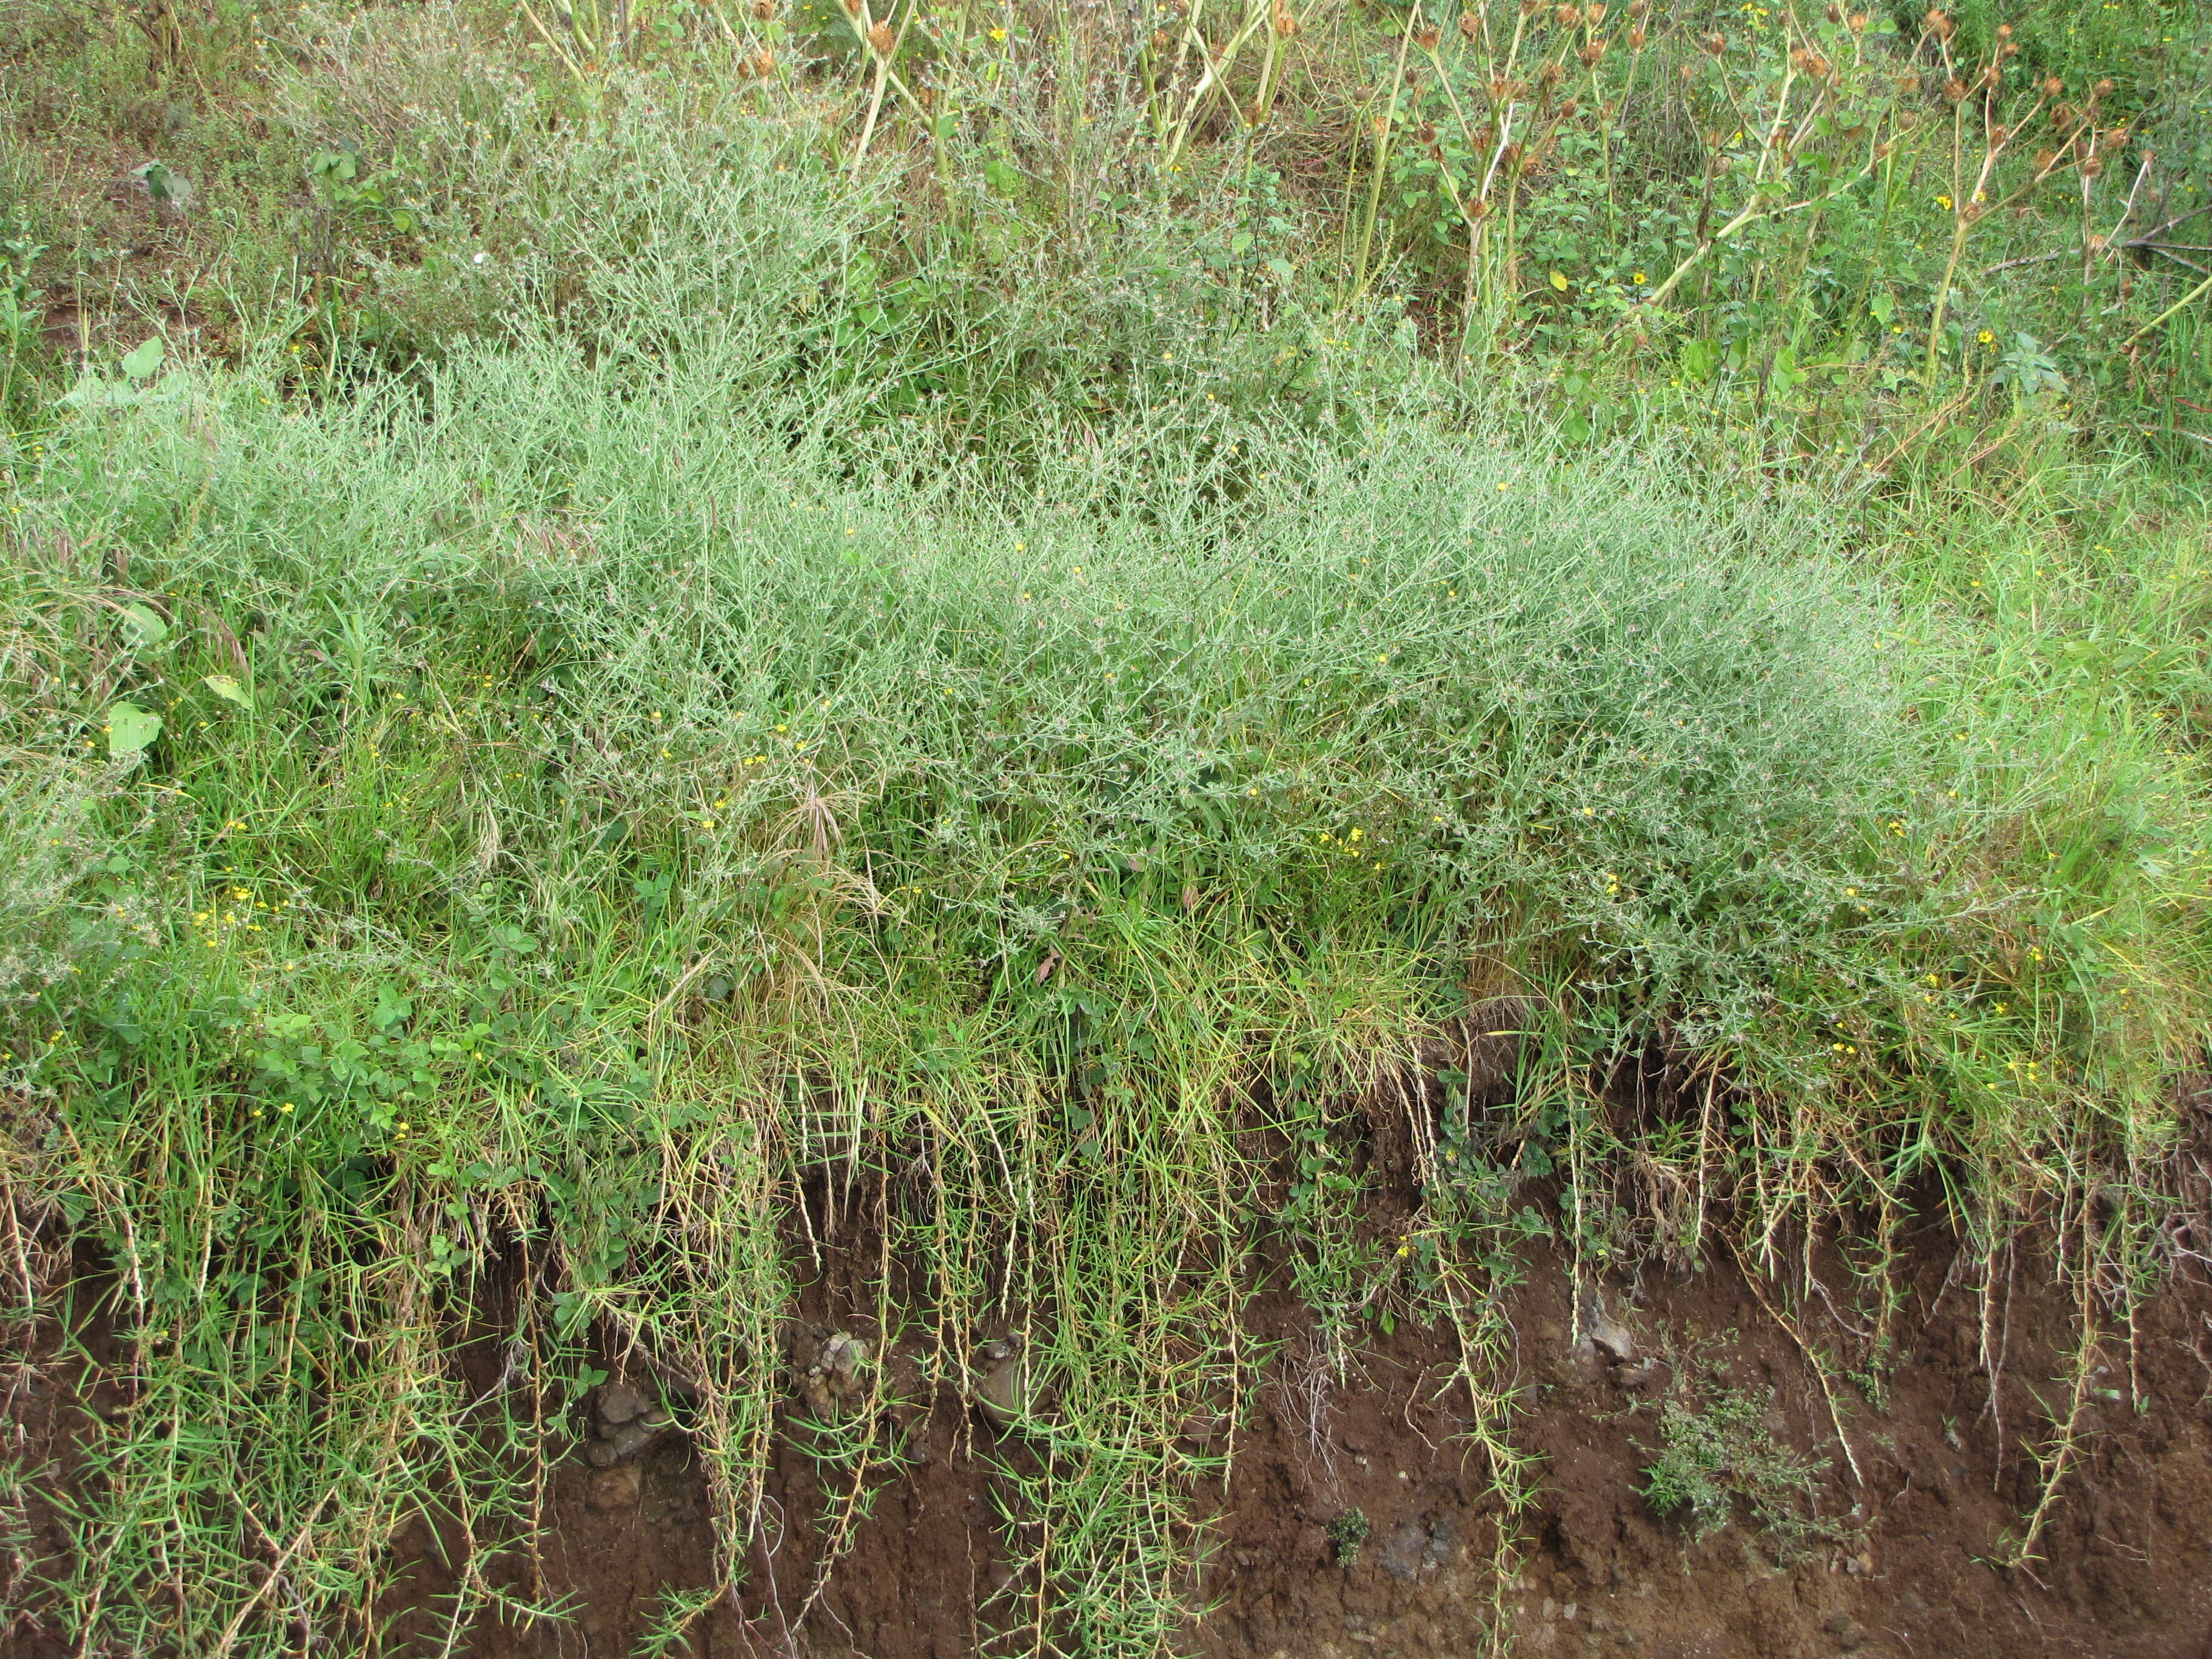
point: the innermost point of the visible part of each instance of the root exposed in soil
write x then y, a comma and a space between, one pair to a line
1896, 1560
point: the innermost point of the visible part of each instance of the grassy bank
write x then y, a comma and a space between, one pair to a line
731, 724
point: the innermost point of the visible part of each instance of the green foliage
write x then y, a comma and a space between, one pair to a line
666, 672
1346, 1535
1720, 1453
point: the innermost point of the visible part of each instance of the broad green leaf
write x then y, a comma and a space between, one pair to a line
145, 359
228, 690
144, 627
130, 728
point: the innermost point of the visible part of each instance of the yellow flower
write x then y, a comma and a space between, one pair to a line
999, 35
1943, 201
1637, 277
1558, 281
1986, 338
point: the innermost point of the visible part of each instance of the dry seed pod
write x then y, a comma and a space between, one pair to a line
1569, 110
2103, 88
1833, 13
1566, 17
763, 9
1954, 89
1426, 37
1636, 37
1159, 39
1595, 15
1715, 44
1530, 8
1551, 78
881, 39
1469, 29
1856, 22
2046, 160
1590, 54
1936, 24
764, 63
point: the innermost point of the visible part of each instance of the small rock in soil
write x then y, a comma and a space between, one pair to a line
1003, 1390
615, 1489
600, 1455
628, 1439
619, 1403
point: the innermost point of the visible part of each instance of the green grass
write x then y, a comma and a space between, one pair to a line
735, 718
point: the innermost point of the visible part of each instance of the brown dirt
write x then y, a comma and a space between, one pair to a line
2121, 1573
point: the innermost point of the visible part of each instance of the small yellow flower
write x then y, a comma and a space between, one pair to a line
1943, 201
286, 1106
999, 35
1986, 338
1637, 277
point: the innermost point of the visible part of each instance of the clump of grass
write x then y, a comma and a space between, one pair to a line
629, 821
1719, 1456
1346, 1534
764, 734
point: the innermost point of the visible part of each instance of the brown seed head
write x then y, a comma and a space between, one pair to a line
763, 9
1469, 28
1595, 15
1426, 37
1590, 54
1936, 24
1566, 17
881, 39
2103, 88
1856, 22
1636, 37
1715, 44
1955, 88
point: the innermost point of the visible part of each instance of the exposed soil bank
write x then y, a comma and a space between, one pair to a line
2125, 1565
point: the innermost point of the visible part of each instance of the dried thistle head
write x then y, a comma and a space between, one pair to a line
1856, 22
1469, 29
1936, 25
880, 39
1594, 14
1715, 44
1426, 37
1636, 36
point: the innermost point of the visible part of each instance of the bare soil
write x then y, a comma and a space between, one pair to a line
2123, 1569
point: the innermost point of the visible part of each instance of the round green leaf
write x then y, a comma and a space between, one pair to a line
130, 728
